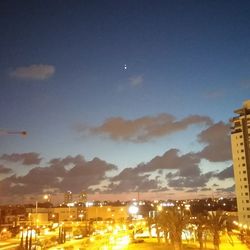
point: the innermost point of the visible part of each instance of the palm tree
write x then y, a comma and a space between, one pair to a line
216, 223
173, 221
154, 222
201, 223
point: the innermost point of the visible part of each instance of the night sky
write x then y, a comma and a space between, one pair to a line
120, 97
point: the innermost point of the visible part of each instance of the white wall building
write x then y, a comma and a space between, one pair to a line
240, 141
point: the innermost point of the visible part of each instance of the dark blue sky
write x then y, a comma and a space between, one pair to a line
63, 80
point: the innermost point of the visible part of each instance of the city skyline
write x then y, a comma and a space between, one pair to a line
120, 97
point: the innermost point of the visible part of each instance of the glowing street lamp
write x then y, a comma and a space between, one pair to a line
81, 216
133, 210
45, 197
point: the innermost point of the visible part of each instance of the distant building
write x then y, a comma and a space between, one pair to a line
68, 197
240, 141
82, 197
119, 213
66, 213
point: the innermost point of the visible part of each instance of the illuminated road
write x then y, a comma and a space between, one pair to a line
99, 242
9, 244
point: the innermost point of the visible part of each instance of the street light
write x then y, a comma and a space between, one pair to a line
45, 197
133, 209
81, 216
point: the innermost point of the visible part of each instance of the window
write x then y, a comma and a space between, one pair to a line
246, 193
246, 186
245, 179
244, 172
247, 201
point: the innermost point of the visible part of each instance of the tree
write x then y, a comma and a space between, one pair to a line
201, 222
173, 221
216, 223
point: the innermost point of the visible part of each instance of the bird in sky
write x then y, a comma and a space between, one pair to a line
8, 132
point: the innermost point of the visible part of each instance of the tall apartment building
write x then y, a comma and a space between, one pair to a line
240, 142
68, 197
82, 197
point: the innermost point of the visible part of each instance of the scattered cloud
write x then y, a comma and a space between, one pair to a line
217, 143
56, 176
190, 182
205, 189
193, 190
187, 164
172, 170
82, 176
33, 72
226, 173
136, 80
144, 129
227, 190
130, 180
4, 170
25, 158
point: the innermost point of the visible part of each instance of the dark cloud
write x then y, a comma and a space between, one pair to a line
80, 176
187, 163
83, 175
77, 160
161, 189
136, 179
190, 170
129, 180
187, 174
193, 190
226, 173
205, 189
144, 129
181, 171
227, 190
190, 182
36, 180
4, 170
217, 143
25, 158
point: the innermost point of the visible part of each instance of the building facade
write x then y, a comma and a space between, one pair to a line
107, 212
240, 142
82, 197
68, 197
